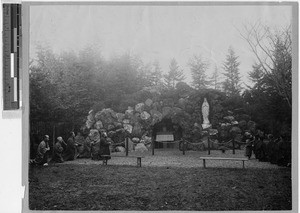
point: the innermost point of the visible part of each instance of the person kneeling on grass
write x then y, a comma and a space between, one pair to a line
71, 148
104, 146
42, 152
58, 150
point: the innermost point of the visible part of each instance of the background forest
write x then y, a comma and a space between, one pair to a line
65, 87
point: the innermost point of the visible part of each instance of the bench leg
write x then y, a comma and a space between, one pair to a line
105, 162
139, 162
204, 163
243, 164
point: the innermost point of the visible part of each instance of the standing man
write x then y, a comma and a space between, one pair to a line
43, 152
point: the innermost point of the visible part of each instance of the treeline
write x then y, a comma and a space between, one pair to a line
63, 88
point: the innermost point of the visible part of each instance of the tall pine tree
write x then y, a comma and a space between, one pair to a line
174, 75
215, 80
198, 70
256, 76
231, 84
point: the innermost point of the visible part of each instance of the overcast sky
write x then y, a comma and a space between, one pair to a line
154, 32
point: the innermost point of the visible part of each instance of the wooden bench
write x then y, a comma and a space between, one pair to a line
218, 158
139, 159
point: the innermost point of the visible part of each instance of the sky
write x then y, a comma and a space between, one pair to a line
155, 33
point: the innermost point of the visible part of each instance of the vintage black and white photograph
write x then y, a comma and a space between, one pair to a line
161, 106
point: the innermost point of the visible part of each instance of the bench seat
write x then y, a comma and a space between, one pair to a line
139, 159
219, 158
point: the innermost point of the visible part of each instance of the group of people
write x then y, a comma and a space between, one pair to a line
268, 149
70, 150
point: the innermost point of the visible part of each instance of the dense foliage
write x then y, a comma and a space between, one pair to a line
65, 87
269, 101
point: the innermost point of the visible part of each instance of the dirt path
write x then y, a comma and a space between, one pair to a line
175, 158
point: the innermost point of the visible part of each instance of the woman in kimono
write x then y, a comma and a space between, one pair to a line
249, 144
104, 146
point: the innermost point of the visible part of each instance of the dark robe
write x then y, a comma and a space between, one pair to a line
283, 153
57, 155
95, 150
70, 149
104, 148
249, 147
86, 152
42, 153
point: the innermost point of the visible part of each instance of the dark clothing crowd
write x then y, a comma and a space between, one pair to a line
74, 148
268, 149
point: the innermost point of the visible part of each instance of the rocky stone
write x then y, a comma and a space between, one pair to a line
90, 116
145, 115
120, 149
148, 102
146, 140
113, 114
120, 116
129, 112
198, 126
182, 103
98, 125
135, 118
105, 116
111, 134
156, 106
137, 129
89, 124
110, 127
139, 107
229, 118
94, 135
135, 140
118, 125
140, 147
128, 127
137, 115
166, 112
126, 121
119, 136
176, 110
235, 130
213, 131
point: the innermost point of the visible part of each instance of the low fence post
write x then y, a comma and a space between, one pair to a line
126, 146
153, 142
208, 144
233, 144
53, 139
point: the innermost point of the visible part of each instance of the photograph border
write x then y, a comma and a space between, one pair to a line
25, 84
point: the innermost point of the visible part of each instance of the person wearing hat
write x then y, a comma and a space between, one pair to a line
58, 150
42, 152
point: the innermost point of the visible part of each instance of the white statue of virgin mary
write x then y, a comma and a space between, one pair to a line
205, 113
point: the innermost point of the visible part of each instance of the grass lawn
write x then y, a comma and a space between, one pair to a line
115, 187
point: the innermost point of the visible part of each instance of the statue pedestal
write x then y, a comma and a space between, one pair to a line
206, 126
